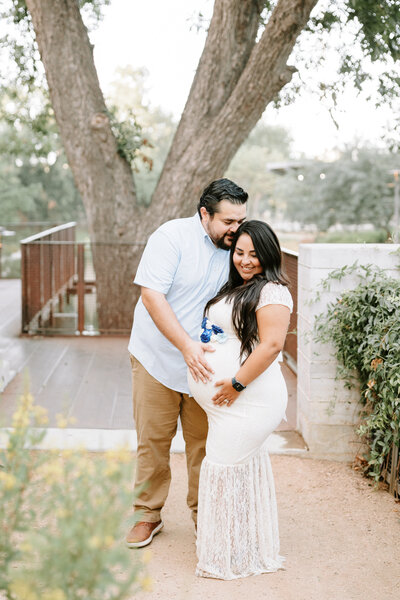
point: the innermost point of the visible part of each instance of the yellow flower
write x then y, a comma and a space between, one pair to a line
94, 542
146, 583
26, 401
108, 541
26, 547
21, 589
146, 556
371, 383
56, 594
120, 455
67, 453
8, 479
62, 422
110, 469
84, 466
52, 471
63, 513
20, 419
40, 415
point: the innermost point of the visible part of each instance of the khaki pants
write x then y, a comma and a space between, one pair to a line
156, 409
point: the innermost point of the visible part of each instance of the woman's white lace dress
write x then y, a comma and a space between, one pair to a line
237, 527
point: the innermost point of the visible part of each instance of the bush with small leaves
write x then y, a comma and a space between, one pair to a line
61, 519
364, 326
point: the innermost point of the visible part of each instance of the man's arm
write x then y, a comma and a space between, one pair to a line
165, 320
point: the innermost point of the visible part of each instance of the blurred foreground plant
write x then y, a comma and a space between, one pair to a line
60, 519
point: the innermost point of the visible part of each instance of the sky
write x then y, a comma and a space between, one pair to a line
160, 36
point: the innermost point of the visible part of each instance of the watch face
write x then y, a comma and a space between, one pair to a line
238, 386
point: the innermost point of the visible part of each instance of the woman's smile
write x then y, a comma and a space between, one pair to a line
245, 258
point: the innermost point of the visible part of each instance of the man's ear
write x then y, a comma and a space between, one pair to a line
203, 212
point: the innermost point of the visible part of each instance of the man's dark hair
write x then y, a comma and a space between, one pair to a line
221, 189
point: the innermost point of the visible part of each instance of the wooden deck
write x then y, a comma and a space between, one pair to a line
87, 378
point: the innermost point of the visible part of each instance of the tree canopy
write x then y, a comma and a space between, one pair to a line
362, 36
352, 190
256, 52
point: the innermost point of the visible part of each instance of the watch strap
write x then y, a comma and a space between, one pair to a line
239, 387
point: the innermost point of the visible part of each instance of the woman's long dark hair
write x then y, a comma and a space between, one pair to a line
247, 295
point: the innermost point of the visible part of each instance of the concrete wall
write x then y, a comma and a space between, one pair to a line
327, 412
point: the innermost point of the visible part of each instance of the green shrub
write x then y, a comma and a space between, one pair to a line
60, 519
364, 326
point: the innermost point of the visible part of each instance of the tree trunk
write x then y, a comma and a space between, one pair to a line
208, 137
235, 80
104, 178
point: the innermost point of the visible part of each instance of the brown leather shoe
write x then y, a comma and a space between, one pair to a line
142, 533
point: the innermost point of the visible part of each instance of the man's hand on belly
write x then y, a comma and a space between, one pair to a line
194, 355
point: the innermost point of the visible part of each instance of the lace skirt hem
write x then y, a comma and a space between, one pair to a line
237, 528
272, 567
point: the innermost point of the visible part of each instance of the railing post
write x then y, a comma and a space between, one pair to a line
81, 287
24, 290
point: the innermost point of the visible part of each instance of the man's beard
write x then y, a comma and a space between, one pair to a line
221, 243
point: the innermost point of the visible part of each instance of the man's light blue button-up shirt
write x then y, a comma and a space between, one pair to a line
180, 261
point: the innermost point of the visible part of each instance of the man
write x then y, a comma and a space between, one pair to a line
184, 264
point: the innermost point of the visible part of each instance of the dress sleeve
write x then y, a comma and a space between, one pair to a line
275, 293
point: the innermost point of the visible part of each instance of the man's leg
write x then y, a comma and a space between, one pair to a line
155, 410
194, 427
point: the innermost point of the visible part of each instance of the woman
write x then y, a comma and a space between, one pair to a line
246, 400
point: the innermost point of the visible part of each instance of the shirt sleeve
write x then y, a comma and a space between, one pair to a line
275, 293
159, 262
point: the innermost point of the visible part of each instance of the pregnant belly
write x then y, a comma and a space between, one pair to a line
224, 361
266, 388
237, 431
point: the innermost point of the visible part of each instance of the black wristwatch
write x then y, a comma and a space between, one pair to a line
238, 386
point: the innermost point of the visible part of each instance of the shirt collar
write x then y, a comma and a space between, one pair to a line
202, 231
205, 235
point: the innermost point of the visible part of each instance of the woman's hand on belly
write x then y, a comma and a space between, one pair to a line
226, 394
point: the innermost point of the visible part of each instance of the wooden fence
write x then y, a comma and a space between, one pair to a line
290, 265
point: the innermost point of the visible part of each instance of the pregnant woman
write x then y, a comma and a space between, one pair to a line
237, 531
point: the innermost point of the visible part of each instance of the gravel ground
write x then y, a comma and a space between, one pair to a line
340, 536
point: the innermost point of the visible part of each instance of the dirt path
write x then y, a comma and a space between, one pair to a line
341, 539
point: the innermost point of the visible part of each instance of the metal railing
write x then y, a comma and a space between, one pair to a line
47, 271
11, 234
60, 294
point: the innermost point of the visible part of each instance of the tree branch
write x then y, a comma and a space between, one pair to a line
103, 178
208, 145
230, 41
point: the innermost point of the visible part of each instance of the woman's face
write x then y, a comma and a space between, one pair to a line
245, 259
